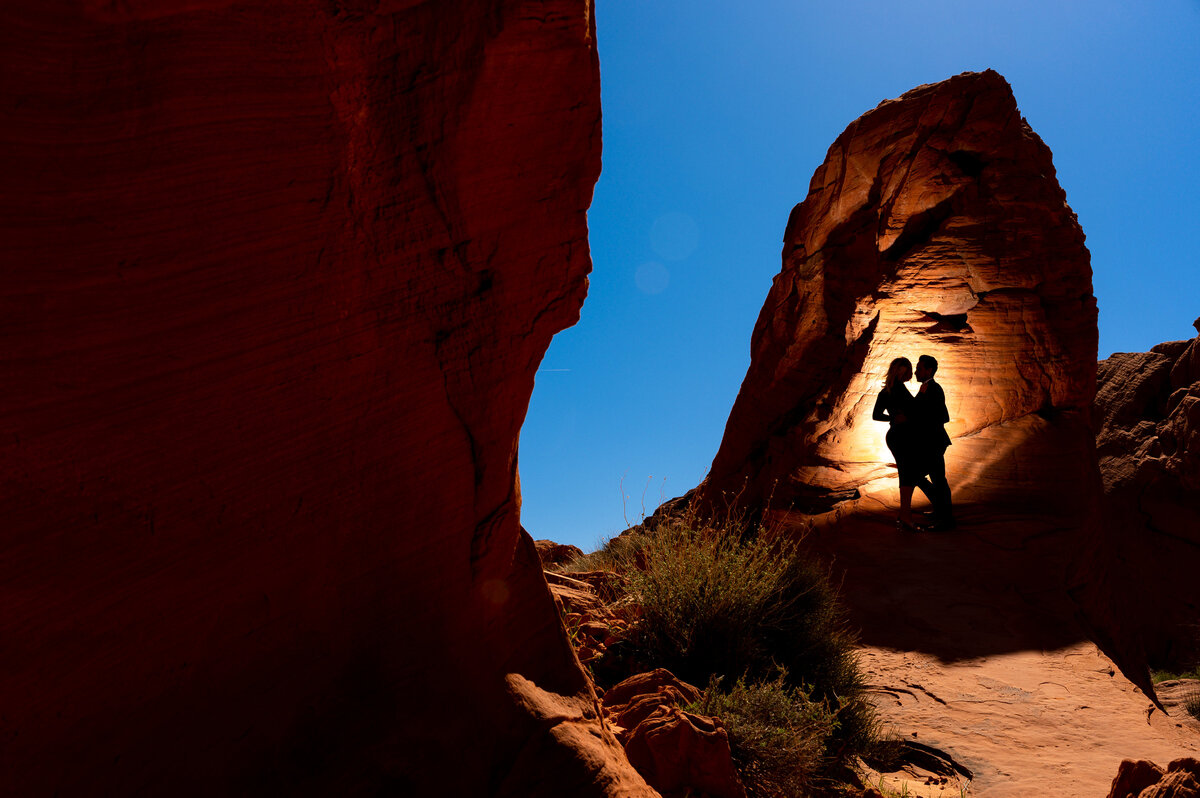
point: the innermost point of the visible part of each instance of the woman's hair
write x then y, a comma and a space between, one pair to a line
895, 370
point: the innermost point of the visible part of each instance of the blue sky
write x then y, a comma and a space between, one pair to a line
715, 117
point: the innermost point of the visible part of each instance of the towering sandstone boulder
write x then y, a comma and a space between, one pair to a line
1148, 439
277, 278
935, 226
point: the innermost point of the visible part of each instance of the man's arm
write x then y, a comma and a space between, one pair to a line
938, 406
931, 403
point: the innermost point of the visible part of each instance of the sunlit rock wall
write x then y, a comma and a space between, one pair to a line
277, 278
935, 226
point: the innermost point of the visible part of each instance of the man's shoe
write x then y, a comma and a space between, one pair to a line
944, 525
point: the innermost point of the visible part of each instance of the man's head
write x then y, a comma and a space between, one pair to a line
926, 367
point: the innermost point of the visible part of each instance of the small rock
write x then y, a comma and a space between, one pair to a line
1134, 776
677, 752
1179, 784
551, 553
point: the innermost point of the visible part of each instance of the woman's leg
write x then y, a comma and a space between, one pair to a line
906, 494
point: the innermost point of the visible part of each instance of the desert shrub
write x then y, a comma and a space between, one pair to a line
1181, 660
729, 601
1191, 703
1167, 675
778, 734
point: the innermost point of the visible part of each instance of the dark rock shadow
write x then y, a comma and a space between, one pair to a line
955, 595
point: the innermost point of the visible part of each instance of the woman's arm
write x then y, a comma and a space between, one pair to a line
881, 406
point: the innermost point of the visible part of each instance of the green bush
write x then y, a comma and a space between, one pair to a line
779, 736
1165, 676
727, 601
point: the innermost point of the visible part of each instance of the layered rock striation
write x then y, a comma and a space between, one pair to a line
278, 276
1147, 410
934, 226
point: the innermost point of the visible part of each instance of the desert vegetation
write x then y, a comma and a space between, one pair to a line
779, 735
1167, 675
1190, 677
735, 607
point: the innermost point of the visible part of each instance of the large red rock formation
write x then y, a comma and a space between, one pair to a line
934, 226
277, 278
1147, 410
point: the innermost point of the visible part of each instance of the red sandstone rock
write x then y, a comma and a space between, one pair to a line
590, 623
551, 553
934, 226
676, 751
277, 279
681, 754
1133, 776
1174, 785
1186, 764
633, 700
659, 680
1144, 779
1147, 409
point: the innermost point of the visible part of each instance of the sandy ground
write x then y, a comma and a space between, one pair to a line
971, 647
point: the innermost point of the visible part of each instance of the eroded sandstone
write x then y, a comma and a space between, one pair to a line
679, 753
278, 276
1143, 779
1148, 439
934, 226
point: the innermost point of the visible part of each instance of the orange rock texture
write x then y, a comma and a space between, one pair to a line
680, 753
1147, 411
1144, 779
934, 226
278, 276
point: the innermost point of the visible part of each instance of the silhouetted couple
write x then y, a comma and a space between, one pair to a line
917, 439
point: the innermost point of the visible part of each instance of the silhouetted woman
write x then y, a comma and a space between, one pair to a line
895, 405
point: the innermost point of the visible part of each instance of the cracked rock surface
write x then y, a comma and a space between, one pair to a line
969, 648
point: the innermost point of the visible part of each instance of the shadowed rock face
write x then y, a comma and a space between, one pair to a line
935, 226
1148, 439
278, 276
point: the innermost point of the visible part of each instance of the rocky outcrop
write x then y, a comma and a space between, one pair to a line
593, 615
680, 753
278, 276
551, 553
935, 226
1144, 779
1133, 776
1147, 410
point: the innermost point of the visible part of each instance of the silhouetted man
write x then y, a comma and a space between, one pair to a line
931, 415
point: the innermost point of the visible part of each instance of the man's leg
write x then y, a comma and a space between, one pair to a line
930, 492
927, 487
943, 506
